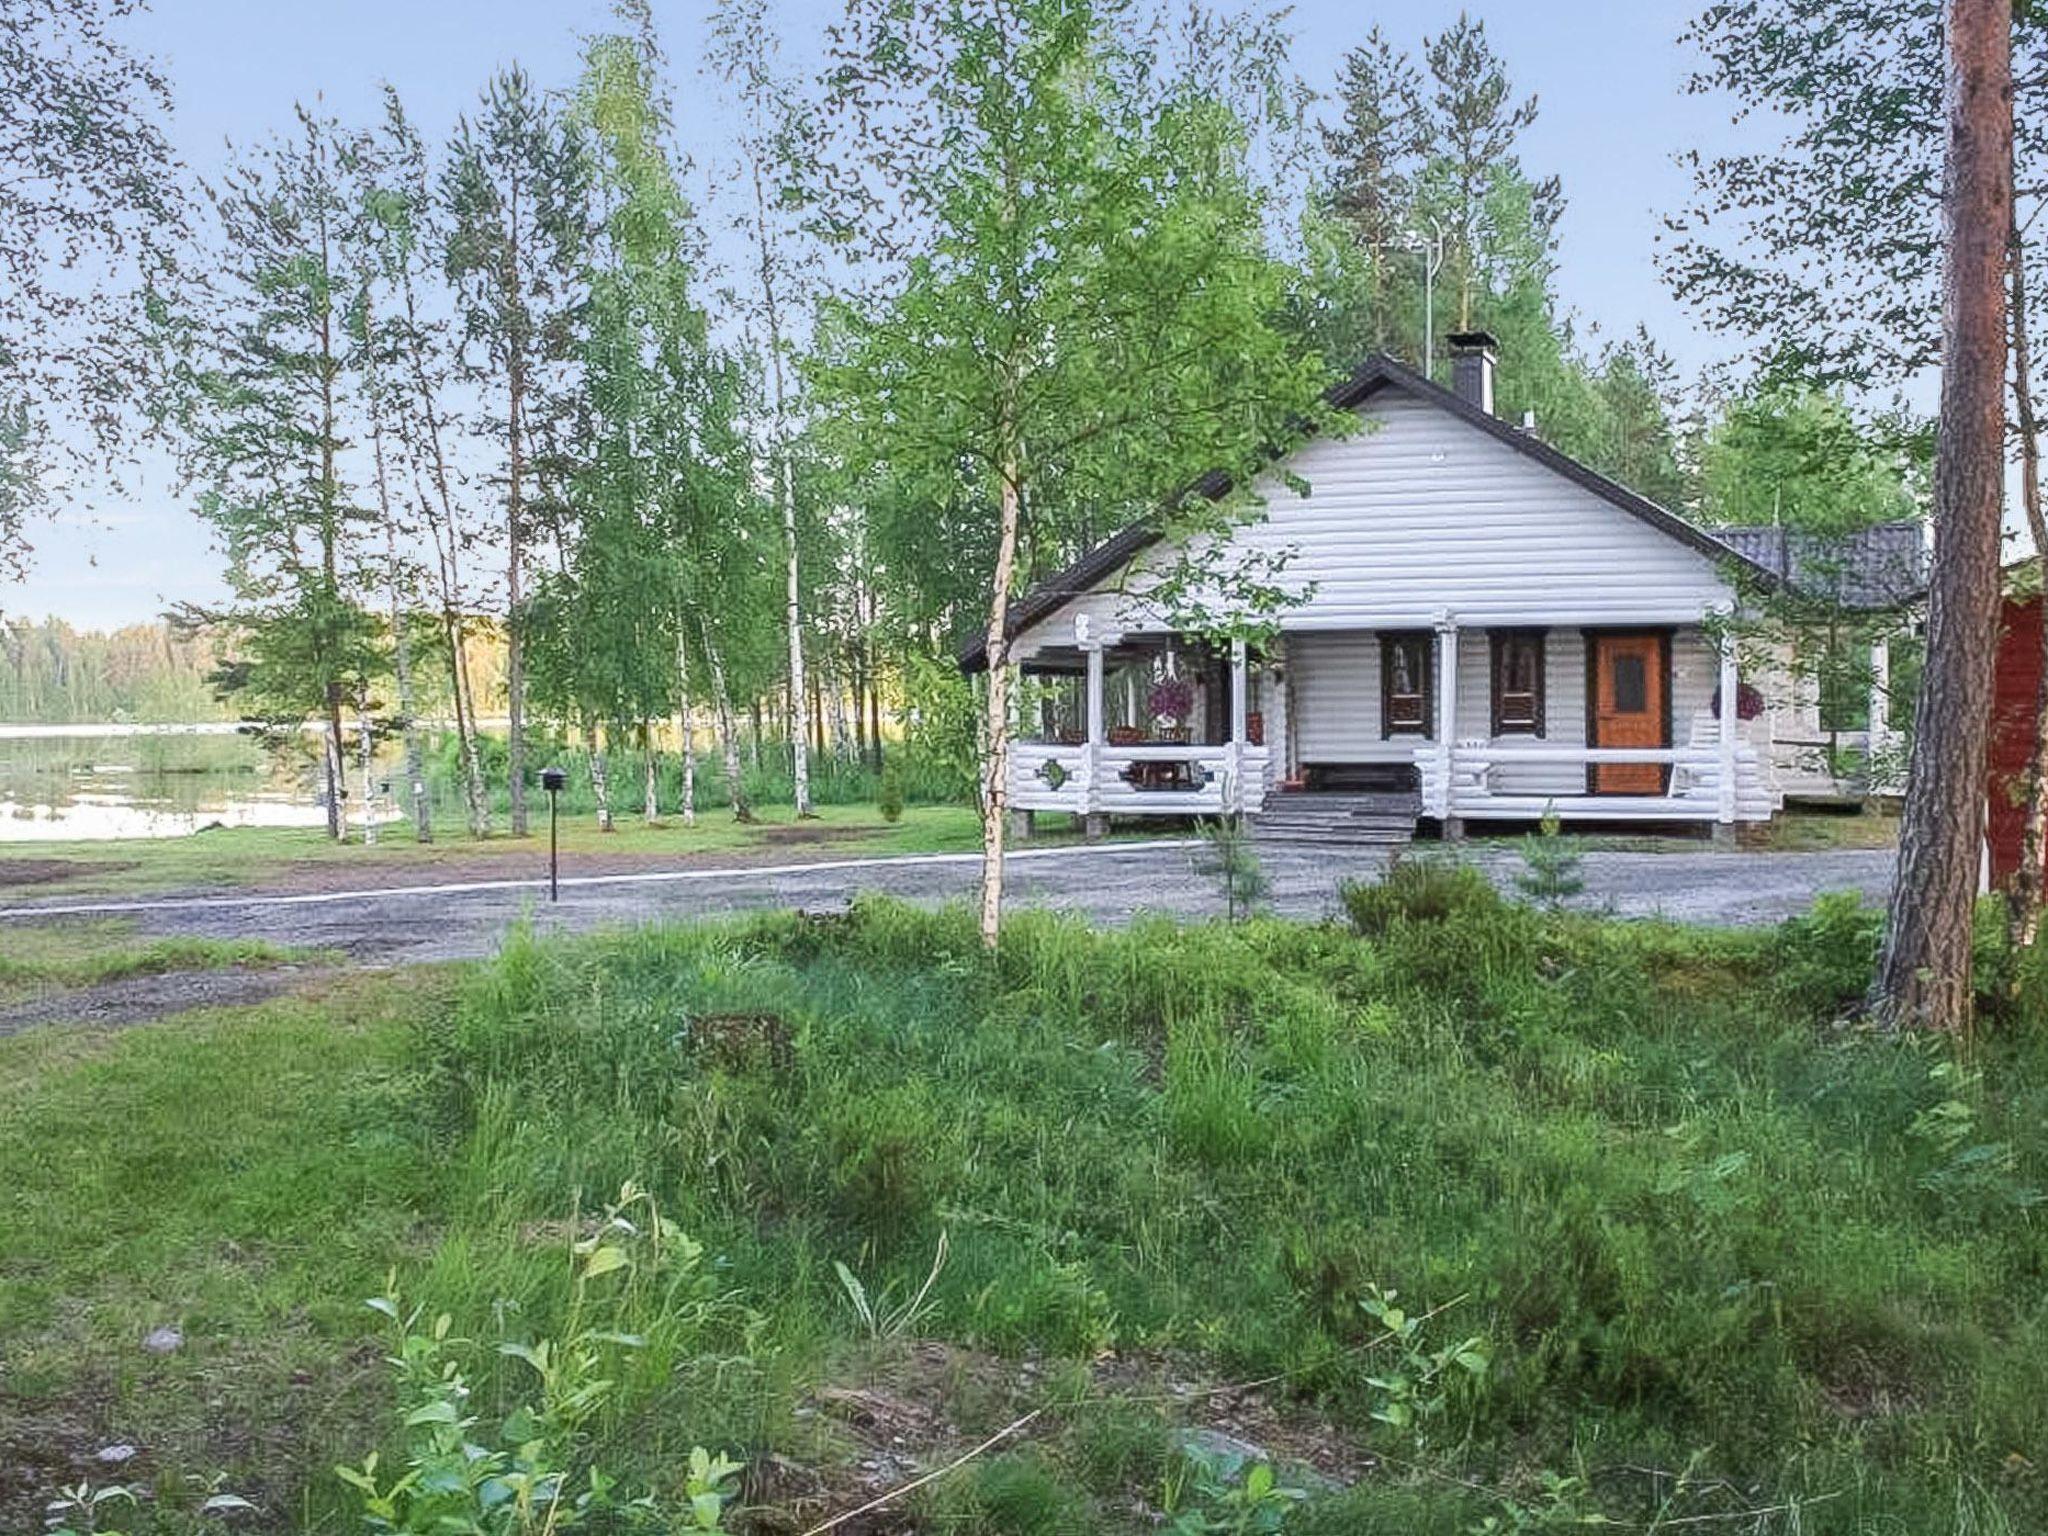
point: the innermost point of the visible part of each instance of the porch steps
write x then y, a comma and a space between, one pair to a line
1354, 820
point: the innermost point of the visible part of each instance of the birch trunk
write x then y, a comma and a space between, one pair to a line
650, 769
401, 641
728, 733
686, 727
600, 778
995, 797
366, 764
785, 489
2023, 898
337, 754
448, 550
1924, 972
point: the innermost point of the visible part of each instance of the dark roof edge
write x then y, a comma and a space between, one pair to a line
1376, 373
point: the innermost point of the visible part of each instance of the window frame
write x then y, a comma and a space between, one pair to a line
1500, 643
1425, 642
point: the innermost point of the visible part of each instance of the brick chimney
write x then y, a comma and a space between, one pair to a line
1473, 354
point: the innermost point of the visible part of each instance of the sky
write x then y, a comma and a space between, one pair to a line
1609, 75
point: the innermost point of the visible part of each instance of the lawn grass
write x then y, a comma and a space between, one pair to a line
40, 960
1719, 1255
240, 857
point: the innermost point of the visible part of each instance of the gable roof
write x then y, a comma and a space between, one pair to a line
1378, 372
1881, 566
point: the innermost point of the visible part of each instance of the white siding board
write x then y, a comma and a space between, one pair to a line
1419, 514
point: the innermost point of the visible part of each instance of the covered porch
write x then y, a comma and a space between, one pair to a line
1138, 725
1475, 723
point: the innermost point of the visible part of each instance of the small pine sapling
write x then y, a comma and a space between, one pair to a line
1227, 856
1551, 874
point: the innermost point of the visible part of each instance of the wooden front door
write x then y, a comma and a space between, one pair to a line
1628, 678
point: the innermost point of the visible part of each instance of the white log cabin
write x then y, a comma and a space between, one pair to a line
1482, 629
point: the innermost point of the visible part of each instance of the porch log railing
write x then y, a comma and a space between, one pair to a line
1155, 779
1699, 788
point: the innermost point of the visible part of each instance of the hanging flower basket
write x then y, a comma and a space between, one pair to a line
1171, 701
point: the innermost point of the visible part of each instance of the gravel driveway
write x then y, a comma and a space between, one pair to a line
1109, 883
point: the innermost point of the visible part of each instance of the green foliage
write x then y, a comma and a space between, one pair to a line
1056, 285
1418, 890
533, 1471
1221, 1493
889, 792
1795, 455
1551, 862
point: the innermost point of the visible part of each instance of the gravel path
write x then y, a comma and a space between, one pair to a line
1110, 883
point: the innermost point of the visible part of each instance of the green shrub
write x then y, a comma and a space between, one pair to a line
1418, 890
889, 795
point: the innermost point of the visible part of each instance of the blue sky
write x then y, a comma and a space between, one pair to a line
1610, 75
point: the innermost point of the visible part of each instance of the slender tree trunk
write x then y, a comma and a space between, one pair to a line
448, 547
686, 731
337, 754
475, 796
401, 640
835, 711
995, 797
515, 620
875, 705
1923, 976
650, 772
366, 749
600, 777
2023, 897
857, 677
728, 732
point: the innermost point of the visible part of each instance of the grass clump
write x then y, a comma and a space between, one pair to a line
1547, 1219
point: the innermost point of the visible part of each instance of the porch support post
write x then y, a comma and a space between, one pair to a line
1234, 783
1093, 824
1731, 712
1447, 719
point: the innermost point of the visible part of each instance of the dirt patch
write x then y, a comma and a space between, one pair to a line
140, 999
21, 873
801, 833
910, 1409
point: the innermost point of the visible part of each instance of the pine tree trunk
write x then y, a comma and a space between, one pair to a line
2024, 896
1924, 972
728, 733
600, 778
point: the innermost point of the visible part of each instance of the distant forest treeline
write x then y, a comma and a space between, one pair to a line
52, 673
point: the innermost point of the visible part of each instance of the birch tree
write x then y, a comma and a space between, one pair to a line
92, 208
774, 129
514, 192
1083, 313
409, 239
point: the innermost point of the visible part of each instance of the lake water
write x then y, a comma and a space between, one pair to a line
103, 782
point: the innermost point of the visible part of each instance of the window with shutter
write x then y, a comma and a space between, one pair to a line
1406, 667
1517, 682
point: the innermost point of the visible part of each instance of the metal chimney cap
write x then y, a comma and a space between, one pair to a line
1472, 341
